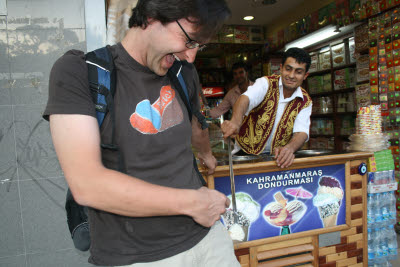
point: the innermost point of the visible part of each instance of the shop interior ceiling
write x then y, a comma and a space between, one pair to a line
264, 11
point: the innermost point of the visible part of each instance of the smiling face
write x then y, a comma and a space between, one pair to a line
293, 74
167, 42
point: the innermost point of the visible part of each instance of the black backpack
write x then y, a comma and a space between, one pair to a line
102, 83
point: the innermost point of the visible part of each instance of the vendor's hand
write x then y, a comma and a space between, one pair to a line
208, 161
209, 207
284, 156
230, 129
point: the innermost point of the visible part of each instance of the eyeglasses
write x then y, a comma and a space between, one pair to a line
191, 44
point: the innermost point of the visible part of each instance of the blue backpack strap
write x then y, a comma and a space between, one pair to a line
101, 80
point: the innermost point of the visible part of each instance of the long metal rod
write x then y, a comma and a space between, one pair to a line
232, 176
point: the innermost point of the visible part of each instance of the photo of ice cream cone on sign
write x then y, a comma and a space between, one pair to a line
328, 200
282, 213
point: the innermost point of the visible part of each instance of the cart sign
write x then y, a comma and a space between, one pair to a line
213, 91
277, 203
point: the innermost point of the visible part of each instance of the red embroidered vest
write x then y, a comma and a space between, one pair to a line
257, 126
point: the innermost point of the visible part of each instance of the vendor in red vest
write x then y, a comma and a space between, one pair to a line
273, 115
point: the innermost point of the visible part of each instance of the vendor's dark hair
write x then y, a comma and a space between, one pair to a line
299, 54
239, 65
207, 15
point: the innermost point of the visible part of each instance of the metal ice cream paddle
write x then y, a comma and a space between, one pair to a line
235, 215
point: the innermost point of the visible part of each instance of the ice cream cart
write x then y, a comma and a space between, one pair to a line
311, 213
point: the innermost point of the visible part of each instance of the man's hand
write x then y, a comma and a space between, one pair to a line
209, 206
230, 129
207, 160
284, 156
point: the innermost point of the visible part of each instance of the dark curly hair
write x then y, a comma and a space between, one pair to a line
207, 15
240, 64
299, 54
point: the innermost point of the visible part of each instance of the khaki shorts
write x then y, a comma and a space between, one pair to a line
216, 249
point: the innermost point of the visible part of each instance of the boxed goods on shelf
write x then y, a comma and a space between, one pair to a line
242, 34
314, 62
321, 126
348, 126
363, 95
319, 84
324, 60
314, 84
326, 83
322, 105
338, 55
345, 102
361, 43
344, 78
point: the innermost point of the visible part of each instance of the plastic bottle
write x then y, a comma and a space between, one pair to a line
383, 243
377, 208
377, 246
371, 248
384, 203
392, 242
370, 211
392, 208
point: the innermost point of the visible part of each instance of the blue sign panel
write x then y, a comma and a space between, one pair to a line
276, 203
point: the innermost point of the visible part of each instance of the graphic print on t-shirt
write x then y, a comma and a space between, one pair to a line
164, 113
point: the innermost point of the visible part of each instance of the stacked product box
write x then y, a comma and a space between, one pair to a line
322, 105
339, 55
344, 78
319, 84
321, 126
363, 95
324, 60
362, 63
314, 62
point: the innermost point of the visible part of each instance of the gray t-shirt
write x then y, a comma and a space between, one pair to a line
153, 133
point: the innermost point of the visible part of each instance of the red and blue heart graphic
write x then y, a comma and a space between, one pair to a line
164, 113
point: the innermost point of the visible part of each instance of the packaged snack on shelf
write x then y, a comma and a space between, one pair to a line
326, 83
344, 78
338, 55
314, 62
324, 60
362, 74
242, 34
314, 84
361, 43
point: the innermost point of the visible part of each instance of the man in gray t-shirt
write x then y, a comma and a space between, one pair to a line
157, 213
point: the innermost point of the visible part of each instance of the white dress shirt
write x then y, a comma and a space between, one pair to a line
256, 94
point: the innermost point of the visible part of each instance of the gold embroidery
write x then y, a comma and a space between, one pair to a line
254, 138
285, 127
257, 126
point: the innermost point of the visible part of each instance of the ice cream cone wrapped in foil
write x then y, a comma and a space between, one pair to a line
328, 200
248, 211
